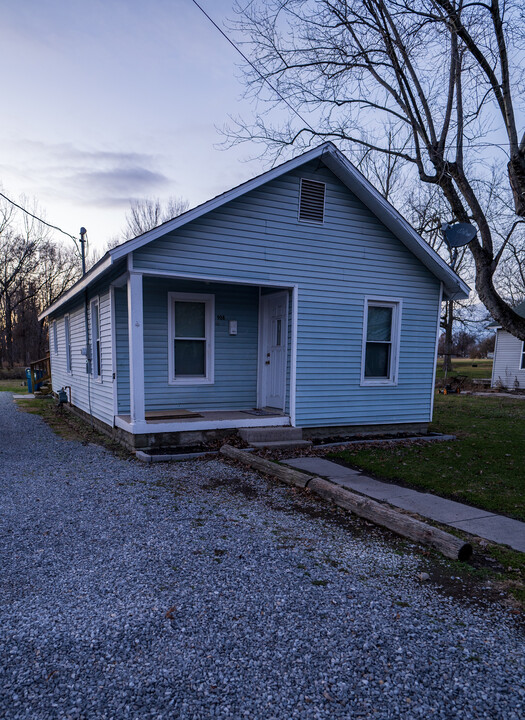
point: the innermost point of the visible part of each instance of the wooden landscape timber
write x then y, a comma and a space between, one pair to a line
378, 513
281, 472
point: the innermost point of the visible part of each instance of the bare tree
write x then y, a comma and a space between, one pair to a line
148, 213
34, 271
440, 74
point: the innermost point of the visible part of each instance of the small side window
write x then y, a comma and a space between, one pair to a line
380, 342
95, 340
67, 333
522, 366
55, 337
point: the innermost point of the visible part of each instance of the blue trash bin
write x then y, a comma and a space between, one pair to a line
38, 374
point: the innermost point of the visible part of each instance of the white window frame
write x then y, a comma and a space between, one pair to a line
209, 327
397, 305
522, 356
55, 337
67, 343
96, 365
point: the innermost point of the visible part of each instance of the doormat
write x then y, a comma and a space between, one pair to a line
171, 414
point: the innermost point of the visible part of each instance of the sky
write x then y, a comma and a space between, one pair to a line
106, 102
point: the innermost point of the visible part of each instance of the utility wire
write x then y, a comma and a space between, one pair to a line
37, 218
247, 59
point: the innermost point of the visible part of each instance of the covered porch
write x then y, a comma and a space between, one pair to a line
198, 354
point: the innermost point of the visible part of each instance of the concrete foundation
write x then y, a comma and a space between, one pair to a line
157, 441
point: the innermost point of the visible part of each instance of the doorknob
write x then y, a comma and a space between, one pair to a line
267, 362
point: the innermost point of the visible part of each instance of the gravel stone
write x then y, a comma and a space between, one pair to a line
199, 590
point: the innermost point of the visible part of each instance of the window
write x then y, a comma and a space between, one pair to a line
95, 340
191, 338
380, 342
311, 201
67, 333
522, 364
55, 337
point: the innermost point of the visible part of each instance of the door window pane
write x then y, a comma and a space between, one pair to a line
379, 325
190, 358
190, 319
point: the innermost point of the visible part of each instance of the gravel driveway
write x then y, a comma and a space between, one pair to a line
196, 590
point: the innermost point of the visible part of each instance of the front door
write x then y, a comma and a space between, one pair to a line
274, 319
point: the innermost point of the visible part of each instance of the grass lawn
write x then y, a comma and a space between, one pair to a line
468, 367
15, 386
484, 467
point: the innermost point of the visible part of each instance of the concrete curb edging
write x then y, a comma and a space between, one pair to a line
378, 513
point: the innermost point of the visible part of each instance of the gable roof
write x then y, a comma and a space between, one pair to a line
519, 310
453, 287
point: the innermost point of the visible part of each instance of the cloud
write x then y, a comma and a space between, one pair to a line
110, 178
117, 185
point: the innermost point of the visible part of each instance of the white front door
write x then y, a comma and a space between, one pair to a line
274, 340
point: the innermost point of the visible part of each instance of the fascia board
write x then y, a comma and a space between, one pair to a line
454, 287
95, 272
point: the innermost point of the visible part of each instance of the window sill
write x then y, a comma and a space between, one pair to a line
190, 381
378, 383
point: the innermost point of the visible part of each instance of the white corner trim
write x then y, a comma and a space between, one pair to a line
397, 304
209, 321
113, 324
433, 388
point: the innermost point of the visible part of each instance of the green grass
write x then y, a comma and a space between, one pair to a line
484, 467
14, 386
465, 366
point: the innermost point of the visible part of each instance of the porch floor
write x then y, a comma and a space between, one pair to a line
217, 418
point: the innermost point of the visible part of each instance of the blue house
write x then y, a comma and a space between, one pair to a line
300, 298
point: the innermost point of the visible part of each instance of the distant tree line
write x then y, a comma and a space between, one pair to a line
34, 271
467, 345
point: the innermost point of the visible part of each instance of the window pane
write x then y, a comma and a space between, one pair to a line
379, 323
377, 361
189, 319
190, 358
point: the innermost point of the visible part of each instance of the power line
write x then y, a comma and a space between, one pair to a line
247, 59
54, 227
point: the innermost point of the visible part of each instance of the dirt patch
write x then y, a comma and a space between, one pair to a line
238, 487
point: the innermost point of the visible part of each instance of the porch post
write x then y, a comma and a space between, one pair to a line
136, 347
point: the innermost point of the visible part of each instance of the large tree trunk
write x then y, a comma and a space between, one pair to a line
448, 325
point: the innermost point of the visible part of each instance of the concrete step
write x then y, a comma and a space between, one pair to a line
281, 444
270, 434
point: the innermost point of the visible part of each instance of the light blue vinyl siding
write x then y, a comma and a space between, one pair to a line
235, 382
335, 265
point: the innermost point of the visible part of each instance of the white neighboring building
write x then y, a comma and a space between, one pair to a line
508, 369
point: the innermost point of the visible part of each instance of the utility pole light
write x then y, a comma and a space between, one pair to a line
83, 233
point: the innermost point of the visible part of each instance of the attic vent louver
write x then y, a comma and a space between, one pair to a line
311, 201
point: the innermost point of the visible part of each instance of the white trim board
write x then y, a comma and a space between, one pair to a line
433, 391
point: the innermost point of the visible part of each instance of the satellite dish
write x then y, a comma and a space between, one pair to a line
458, 234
